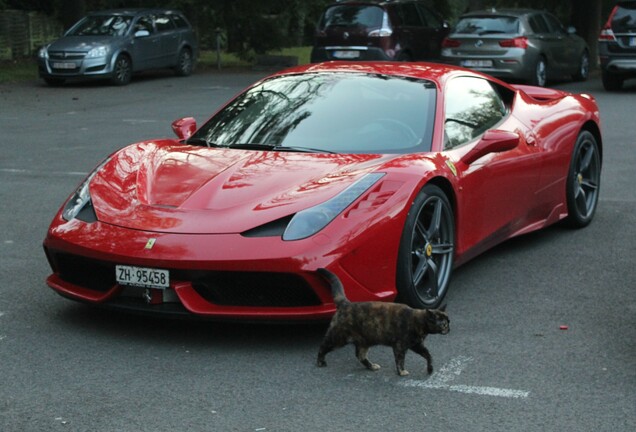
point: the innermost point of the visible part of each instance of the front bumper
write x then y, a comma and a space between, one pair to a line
98, 67
222, 276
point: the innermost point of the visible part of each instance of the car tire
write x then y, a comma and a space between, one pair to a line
583, 181
122, 71
584, 68
185, 63
426, 251
611, 82
540, 73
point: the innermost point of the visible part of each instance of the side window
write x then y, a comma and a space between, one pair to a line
538, 24
554, 24
144, 23
163, 23
410, 16
179, 21
472, 107
430, 19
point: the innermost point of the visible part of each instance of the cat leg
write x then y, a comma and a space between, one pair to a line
361, 354
421, 350
330, 342
400, 354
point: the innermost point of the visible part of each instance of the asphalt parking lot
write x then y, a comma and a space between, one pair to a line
543, 327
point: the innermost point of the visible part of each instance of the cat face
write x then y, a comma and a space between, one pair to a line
437, 322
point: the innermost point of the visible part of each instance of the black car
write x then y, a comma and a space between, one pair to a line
379, 30
617, 46
114, 44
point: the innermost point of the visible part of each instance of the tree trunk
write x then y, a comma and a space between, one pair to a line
586, 17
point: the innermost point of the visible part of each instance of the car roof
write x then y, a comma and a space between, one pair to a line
133, 11
501, 12
434, 72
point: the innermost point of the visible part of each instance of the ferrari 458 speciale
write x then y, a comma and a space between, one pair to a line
389, 174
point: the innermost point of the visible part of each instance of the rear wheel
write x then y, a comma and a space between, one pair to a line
584, 68
425, 256
185, 63
611, 82
583, 182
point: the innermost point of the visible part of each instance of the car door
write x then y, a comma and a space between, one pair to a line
146, 50
412, 34
169, 40
564, 51
497, 188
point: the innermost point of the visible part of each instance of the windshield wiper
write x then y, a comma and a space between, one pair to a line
272, 147
201, 142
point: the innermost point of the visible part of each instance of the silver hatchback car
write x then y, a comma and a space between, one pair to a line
116, 43
517, 44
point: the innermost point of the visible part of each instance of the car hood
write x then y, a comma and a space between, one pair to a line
165, 186
81, 43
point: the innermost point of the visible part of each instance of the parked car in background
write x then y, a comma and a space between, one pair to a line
617, 46
116, 43
379, 30
517, 44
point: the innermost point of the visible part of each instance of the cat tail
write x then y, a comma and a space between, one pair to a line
337, 290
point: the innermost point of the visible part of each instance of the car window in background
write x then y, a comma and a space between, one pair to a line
624, 19
353, 15
102, 25
485, 25
555, 25
163, 23
538, 24
144, 23
472, 107
430, 20
410, 16
178, 21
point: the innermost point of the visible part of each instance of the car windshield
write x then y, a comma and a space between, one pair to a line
327, 112
487, 25
101, 25
352, 16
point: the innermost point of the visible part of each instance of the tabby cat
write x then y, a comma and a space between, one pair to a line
366, 324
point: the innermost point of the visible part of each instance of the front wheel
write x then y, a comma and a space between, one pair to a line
584, 68
122, 72
427, 247
540, 76
584, 180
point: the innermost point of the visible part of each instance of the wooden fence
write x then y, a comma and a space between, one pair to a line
23, 33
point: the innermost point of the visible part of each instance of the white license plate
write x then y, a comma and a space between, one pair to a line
142, 277
477, 63
64, 66
632, 41
346, 54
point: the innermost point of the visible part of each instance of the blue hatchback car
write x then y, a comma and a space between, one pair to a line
116, 43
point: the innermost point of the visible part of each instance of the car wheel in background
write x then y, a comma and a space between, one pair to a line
611, 82
583, 182
539, 78
584, 68
184, 63
425, 256
122, 72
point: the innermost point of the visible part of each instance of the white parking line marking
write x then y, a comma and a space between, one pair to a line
450, 371
30, 172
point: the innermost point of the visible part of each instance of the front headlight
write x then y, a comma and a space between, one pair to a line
44, 52
81, 199
101, 51
308, 222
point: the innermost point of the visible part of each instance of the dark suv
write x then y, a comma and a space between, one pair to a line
617, 46
379, 30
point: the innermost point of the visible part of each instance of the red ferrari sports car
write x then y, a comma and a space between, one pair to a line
388, 174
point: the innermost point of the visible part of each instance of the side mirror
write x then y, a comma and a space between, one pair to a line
184, 127
493, 141
142, 33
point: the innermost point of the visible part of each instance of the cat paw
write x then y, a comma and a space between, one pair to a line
321, 363
374, 367
403, 372
429, 369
